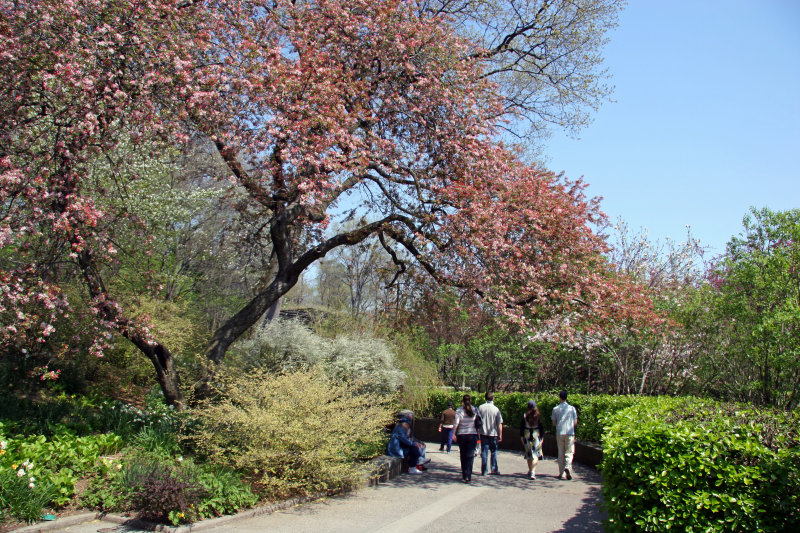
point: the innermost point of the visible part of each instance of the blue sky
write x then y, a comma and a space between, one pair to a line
706, 118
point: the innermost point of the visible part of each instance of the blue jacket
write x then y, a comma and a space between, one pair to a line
399, 440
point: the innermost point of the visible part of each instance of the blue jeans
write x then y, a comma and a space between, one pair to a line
466, 449
447, 438
488, 444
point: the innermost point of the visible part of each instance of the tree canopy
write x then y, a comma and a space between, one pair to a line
307, 104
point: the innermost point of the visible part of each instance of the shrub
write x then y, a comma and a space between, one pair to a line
421, 375
163, 492
296, 433
693, 465
290, 346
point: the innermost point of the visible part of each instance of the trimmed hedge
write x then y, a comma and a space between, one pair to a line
687, 464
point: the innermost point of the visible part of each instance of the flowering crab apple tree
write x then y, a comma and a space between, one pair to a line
308, 104
77, 76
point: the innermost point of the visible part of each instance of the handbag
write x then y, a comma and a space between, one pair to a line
478, 421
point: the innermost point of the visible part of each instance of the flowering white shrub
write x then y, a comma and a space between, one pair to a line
288, 346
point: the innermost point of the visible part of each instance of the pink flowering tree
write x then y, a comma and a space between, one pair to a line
311, 105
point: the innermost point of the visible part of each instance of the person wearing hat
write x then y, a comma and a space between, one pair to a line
531, 431
402, 445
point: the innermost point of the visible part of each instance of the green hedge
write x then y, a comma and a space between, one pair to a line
686, 464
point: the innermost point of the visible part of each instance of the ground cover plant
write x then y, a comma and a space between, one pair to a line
121, 457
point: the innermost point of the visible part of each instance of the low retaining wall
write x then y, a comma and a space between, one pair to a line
586, 453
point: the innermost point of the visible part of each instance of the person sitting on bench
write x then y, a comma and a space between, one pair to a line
401, 444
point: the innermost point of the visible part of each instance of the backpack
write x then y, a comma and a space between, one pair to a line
478, 421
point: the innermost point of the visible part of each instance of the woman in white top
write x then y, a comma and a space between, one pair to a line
465, 434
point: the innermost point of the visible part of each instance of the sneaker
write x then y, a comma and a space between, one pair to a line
495, 472
560, 476
441, 449
569, 476
533, 475
425, 461
414, 470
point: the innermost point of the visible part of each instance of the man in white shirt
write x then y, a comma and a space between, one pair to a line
491, 432
565, 419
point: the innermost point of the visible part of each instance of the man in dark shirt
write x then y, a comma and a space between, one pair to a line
446, 427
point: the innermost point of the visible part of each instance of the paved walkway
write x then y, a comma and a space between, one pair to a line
436, 501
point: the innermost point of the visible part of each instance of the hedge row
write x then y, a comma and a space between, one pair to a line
686, 464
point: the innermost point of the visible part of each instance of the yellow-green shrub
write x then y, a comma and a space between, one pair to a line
293, 434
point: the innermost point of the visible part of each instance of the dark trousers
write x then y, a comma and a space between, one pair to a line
412, 454
466, 449
447, 439
488, 444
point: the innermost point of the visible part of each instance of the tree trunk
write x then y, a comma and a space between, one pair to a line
273, 312
166, 372
235, 327
159, 355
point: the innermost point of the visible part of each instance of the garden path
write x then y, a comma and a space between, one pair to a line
435, 501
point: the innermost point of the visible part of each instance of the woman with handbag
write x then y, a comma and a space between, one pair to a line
531, 431
465, 434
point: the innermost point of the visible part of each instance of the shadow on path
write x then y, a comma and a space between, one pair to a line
589, 516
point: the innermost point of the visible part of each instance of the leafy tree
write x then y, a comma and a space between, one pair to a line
754, 311
364, 272
545, 55
306, 103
